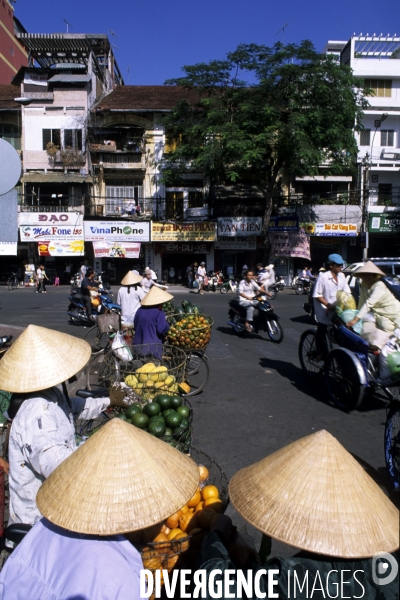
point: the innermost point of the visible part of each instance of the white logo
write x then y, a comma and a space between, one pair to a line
384, 568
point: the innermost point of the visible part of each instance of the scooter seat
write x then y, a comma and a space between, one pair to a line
235, 304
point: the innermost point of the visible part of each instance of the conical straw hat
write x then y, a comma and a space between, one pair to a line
41, 358
121, 479
315, 496
369, 267
155, 297
131, 279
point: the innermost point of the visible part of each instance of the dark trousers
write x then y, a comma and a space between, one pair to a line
320, 338
88, 304
40, 285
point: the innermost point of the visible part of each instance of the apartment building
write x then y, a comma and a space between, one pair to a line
13, 55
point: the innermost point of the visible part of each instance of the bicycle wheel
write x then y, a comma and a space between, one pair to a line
98, 341
102, 371
197, 372
392, 444
307, 354
344, 379
275, 331
392, 392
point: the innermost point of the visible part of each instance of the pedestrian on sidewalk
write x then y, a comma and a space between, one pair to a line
43, 279
201, 274
39, 279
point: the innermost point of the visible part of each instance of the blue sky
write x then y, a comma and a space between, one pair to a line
155, 39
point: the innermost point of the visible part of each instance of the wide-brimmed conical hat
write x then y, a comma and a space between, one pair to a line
131, 279
155, 297
121, 479
314, 495
41, 358
369, 267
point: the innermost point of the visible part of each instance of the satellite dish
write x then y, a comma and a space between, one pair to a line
10, 167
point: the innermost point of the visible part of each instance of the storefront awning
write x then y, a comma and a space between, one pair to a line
56, 178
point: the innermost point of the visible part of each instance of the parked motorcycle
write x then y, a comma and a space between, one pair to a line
100, 303
265, 319
229, 285
214, 281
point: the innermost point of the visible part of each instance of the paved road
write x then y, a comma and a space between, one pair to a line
257, 399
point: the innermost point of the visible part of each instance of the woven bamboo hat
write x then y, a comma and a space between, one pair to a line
314, 495
369, 267
122, 479
41, 358
131, 279
155, 297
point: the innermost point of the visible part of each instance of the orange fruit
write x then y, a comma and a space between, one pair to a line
204, 517
187, 522
161, 537
214, 503
184, 545
150, 533
209, 491
185, 508
174, 532
195, 499
173, 520
165, 529
203, 473
200, 506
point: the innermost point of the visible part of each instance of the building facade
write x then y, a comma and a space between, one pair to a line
13, 55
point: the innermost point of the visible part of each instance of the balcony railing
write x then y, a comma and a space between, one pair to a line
145, 208
382, 197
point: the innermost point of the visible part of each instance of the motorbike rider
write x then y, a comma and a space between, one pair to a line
148, 281
247, 291
42, 433
87, 286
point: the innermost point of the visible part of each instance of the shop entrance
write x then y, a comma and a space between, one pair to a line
180, 262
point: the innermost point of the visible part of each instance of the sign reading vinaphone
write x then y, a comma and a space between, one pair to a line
239, 226
112, 231
204, 231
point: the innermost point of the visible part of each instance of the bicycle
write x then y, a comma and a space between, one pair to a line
12, 282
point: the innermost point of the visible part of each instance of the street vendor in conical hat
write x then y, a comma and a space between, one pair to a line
121, 480
129, 296
150, 323
42, 432
313, 495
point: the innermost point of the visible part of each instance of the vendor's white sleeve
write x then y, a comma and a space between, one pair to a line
319, 288
93, 407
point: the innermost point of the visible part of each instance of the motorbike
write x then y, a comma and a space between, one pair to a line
276, 287
101, 304
229, 285
214, 281
265, 319
303, 286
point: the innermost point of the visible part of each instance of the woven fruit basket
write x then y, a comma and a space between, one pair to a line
181, 550
189, 332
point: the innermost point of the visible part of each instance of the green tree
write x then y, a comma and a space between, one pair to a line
263, 110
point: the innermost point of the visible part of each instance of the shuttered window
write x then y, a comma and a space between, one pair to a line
387, 137
51, 135
73, 139
381, 88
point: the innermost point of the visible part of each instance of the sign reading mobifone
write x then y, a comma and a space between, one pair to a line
384, 222
113, 231
239, 226
35, 233
199, 231
116, 249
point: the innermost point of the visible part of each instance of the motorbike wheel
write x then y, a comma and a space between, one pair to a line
224, 290
392, 444
299, 288
275, 331
307, 354
273, 291
342, 380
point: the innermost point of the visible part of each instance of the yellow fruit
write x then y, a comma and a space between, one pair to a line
203, 473
142, 377
147, 368
209, 491
160, 370
169, 380
173, 388
200, 506
173, 520
184, 545
159, 384
185, 387
195, 499
149, 383
175, 531
188, 521
214, 503
165, 529
161, 537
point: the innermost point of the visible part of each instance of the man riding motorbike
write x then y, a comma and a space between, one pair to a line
87, 286
42, 432
247, 291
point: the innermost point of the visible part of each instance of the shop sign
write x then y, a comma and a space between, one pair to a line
241, 226
8, 248
335, 229
116, 249
115, 231
31, 233
284, 223
384, 222
47, 218
186, 247
235, 243
62, 248
290, 244
197, 231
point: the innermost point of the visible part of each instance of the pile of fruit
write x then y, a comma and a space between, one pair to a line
169, 308
148, 380
166, 417
162, 544
189, 329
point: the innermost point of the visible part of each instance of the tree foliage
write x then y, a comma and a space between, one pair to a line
263, 110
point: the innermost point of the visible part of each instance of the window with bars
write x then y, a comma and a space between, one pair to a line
73, 139
381, 88
121, 197
365, 137
51, 135
387, 137
174, 205
195, 200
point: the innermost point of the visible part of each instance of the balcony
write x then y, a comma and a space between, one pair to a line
383, 197
158, 209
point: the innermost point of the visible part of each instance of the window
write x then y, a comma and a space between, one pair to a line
381, 88
73, 139
174, 205
120, 196
387, 137
11, 134
51, 135
195, 200
365, 136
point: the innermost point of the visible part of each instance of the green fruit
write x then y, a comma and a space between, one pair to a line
159, 418
157, 428
176, 401
189, 310
173, 420
179, 432
121, 416
140, 420
186, 303
151, 409
166, 412
168, 432
184, 411
184, 423
164, 400
132, 410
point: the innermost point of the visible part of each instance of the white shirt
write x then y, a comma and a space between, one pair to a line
39, 274
248, 289
130, 301
201, 273
327, 288
42, 436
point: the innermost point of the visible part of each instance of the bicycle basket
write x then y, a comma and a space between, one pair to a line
189, 332
108, 322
